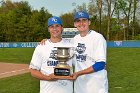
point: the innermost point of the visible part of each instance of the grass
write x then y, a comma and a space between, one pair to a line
19, 84
16, 55
123, 70
122, 64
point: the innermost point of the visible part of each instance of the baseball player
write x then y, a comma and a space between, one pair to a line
43, 61
90, 75
90, 57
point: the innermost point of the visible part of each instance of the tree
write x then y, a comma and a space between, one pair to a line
67, 20
92, 10
18, 22
126, 7
135, 2
99, 4
109, 18
38, 25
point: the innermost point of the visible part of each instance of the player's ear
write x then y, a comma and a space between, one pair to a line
89, 22
62, 29
48, 29
75, 24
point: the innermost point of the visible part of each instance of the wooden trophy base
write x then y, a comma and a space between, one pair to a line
64, 77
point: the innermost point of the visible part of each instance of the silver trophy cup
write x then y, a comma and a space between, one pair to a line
62, 68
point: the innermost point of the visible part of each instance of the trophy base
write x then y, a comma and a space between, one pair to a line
59, 71
64, 77
62, 73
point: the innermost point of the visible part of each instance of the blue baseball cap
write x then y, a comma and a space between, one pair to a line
81, 14
54, 20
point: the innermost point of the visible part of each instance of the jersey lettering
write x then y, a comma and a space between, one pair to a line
81, 58
52, 63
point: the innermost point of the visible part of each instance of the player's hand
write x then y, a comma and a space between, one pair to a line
43, 42
52, 77
74, 75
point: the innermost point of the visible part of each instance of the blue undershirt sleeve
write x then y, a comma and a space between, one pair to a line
98, 66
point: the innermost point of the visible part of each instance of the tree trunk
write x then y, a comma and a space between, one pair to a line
99, 4
134, 17
109, 18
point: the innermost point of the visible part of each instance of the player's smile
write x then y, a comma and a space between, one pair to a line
82, 24
55, 30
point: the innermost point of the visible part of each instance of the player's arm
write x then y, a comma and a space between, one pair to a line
37, 74
94, 68
101, 56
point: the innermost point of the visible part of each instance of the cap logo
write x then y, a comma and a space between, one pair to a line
80, 13
53, 19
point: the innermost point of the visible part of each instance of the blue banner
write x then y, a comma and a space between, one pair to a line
123, 44
34, 44
18, 44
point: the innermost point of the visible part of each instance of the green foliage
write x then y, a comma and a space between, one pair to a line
137, 37
67, 20
18, 22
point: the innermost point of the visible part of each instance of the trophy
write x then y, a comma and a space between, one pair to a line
62, 70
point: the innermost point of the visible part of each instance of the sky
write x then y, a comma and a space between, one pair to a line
55, 7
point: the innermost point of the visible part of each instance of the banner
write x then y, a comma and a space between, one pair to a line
34, 44
18, 44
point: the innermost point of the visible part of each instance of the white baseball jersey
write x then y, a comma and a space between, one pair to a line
90, 49
43, 60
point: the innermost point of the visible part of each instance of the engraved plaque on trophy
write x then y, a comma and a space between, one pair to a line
62, 70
